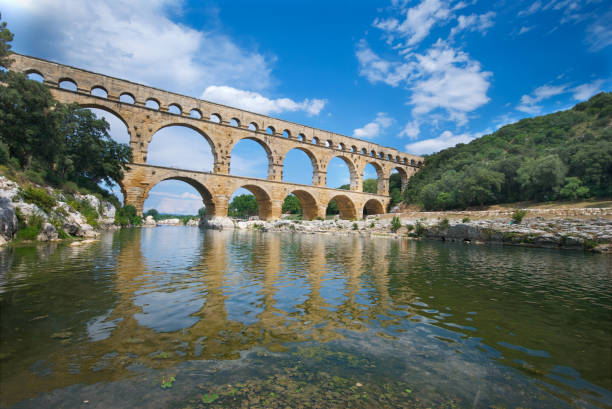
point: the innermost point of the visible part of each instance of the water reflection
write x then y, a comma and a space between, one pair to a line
451, 320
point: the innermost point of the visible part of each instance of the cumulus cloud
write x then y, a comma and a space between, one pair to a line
377, 69
137, 40
529, 103
374, 128
411, 130
525, 29
445, 140
255, 102
599, 33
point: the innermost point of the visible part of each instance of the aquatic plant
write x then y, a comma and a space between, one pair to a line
167, 383
209, 398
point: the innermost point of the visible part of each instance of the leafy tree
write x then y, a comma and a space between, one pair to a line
332, 208
5, 48
574, 189
370, 185
243, 206
541, 178
292, 205
153, 213
127, 216
202, 212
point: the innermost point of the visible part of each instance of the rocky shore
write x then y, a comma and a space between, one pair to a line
49, 214
588, 229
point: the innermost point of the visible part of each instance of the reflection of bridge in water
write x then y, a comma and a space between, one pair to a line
223, 127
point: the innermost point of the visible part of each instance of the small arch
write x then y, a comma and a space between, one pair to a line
390, 157
175, 109
373, 206
195, 113
99, 91
286, 133
152, 103
354, 149
397, 159
405, 161
216, 118
127, 98
381, 155
364, 151
235, 122
315, 140
270, 130
308, 203
373, 153
419, 164
35, 75
329, 143
68, 84
342, 146
346, 207
301, 137
412, 162
253, 126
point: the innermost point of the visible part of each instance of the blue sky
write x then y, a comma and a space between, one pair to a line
415, 75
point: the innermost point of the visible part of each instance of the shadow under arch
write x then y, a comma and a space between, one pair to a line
261, 143
264, 203
403, 176
351, 168
313, 160
207, 197
380, 176
310, 210
373, 206
346, 207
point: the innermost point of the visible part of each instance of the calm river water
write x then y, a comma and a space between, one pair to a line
176, 317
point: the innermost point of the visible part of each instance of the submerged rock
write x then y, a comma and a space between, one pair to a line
8, 220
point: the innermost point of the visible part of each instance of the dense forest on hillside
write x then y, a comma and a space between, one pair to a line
564, 155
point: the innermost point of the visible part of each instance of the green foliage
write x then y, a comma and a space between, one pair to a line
32, 227
5, 48
153, 213
465, 220
355, 226
532, 159
443, 224
332, 208
409, 227
127, 216
517, 216
292, 205
574, 189
167, 382
39, 197
87, 210
209, 398
396, 224
243, 206
419, 229
201, 212
370, 185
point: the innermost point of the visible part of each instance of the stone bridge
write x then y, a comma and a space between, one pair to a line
145, 110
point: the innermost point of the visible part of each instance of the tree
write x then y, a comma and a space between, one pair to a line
574, 189
292, 205
243, 206
332, 207
153, 213
202, 212
5, 48
541, 178
370, 185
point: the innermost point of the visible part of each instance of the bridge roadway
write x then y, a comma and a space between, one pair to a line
146, 110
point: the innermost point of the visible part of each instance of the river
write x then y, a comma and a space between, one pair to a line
177, 317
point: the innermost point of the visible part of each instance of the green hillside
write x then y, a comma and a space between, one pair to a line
565, 155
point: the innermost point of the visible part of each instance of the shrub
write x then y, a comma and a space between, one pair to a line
410, 227
443, 224
39, 197
395, 224
419, 229
355, 226
465, 220
517, 216
31, 229
127, 216
62, 234
372, 225
87, 210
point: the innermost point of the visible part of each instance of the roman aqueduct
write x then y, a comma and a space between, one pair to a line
145, 110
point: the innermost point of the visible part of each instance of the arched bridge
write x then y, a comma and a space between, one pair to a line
145, 110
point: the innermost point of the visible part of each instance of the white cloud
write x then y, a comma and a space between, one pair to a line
374, 128
535, 7
473, 22
445, 140
525, 29
418, 21
529, 103
411, 130
585, 91
599, 32
137, 40
448, 79
376, 69
255, 102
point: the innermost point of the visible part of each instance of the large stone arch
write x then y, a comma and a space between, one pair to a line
207, 197
110, 110
403, 176
313, 160
346, 206
382, 182
352, 169
373, 206
207, 138
310, 207
264, 200
264, 144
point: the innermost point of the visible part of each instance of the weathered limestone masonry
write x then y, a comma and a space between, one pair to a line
223, 127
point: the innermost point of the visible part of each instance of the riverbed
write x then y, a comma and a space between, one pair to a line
178, 317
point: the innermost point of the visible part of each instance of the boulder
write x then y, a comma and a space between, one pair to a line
8, 219
47, 233
216, 223
149, 222
170, 222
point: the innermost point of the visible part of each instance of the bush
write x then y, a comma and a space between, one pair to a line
395, 224
31, 229
443, 224
127, 216
355, 226
419, 229
410, 227
517, 216
372, 225
39, 197
465, 220
87, 210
